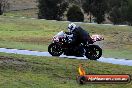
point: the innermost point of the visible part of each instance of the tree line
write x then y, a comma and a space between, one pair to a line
117, 11
4, 4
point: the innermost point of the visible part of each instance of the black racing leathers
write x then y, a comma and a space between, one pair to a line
81, 36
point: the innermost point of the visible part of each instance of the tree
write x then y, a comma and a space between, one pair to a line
129, 12
118, 11
75, 14
77, 2
97, 8
87, 8
115, 16
52, 9
4, 4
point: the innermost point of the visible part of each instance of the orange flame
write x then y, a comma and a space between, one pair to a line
81, 70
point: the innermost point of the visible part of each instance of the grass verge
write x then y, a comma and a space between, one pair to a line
36, 34
122, 54
20, 71
23, 45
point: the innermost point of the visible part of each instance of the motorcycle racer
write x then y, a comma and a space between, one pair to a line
79, 35
77, 42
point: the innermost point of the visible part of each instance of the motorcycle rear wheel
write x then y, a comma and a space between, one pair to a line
55, 49
93, 52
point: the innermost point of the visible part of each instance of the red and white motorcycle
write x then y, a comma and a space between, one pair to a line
60, 45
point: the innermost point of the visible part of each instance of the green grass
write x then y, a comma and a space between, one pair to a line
19, 71
32, 33
29, 13
22, 45
122, 54
36, 34
45, 72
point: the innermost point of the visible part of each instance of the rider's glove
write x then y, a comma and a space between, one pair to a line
70, 40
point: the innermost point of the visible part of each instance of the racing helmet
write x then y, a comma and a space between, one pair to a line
71, 27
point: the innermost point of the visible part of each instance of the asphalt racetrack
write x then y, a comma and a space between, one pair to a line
37, 53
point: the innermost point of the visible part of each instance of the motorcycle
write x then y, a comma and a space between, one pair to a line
61, 45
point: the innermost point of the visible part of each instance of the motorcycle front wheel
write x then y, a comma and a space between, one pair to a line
93, 52
55, 49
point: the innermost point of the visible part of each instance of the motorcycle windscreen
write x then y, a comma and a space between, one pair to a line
60, 34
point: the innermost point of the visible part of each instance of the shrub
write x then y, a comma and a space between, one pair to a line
75, 14
52, 9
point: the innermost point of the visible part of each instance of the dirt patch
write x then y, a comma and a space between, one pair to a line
8, 60
22, 4
18, 64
